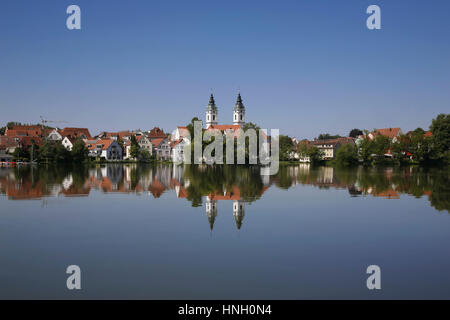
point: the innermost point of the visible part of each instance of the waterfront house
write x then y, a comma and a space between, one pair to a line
68, 142
144, 143
329, 147
178, 149
161, 148
107, 149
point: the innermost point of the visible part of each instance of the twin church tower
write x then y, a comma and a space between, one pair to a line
212, 113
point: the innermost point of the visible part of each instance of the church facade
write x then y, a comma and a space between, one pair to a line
181, 138
212, 114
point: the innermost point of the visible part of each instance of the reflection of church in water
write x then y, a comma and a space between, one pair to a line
238, 206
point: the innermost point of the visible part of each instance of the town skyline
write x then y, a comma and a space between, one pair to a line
304, 68
225, 116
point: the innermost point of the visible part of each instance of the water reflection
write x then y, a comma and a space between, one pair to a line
210, 184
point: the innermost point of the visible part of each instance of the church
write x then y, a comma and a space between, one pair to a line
212, 115
181, 138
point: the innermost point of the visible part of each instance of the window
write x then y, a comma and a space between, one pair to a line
214, 118
241, 116
208, 117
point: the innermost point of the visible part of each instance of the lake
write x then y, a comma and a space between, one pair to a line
224, 232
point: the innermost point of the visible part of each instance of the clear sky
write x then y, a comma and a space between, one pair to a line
305, 67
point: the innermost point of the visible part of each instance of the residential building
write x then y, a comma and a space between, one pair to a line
75, 133
68, 142
178, 149
161, 148
9, 144
108, 149
144, 143
329, 147
54, 135
391, 133
156, 133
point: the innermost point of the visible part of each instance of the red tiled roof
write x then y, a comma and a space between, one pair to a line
157, 142
223, 127
75, 132
26, 142
156, 133
7, 142
104, 142
387, 132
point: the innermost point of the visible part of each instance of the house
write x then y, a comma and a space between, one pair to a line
181, 132
9, 144
54, 135
75, 133
68, 143
161, 148
156, 133
178, 149
108, 149
120, 135
24, 131
329, 147
391, 133
144, 143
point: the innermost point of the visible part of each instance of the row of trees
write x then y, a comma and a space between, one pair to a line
416, 145
52, 151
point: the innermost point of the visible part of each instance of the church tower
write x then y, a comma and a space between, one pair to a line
238, 212
211, 211
211, 112
239, 111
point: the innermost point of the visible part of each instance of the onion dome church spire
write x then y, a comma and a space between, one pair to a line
211, 112
239, 111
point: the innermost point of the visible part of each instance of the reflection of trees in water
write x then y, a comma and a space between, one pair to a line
244, 182
377, 181
205, 180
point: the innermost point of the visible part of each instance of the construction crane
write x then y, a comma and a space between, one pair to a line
44, 121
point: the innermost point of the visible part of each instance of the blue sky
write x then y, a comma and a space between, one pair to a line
305, 67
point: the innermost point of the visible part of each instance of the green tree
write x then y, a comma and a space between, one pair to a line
366, 149
354, 133
380, 144
21, 153
325, 136
347, 155
12, 124
190, 127
251, 125
315, 154
286, 147
135, 148
145, 155
440, 128
61, 153
79, 151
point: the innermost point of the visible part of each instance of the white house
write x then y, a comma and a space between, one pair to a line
181, 132
179, 148
108, 149
55, 135
68, 142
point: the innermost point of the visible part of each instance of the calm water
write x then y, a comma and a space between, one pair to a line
174, 232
